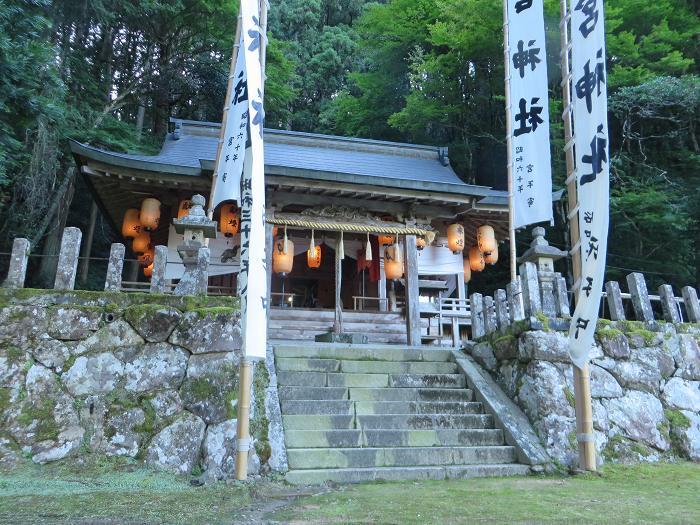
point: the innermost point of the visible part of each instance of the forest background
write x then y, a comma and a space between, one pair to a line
111, 74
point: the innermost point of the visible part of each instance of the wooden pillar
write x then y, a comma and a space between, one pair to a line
412, 305
338, 321
456, 339
87, 245
382, 281
269, 244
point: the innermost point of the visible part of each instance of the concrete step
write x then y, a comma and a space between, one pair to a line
312, 392
392, 438
314, 364
427, 381
423, 421
360, 475
316, 407
415, 407
327, 422
369, 352
338, 379
410, 394
314, 458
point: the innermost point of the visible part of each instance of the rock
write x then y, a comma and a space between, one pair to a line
211, 385
633, 374
123, 438
558, 433
657, 359
176, 447
275, 432
603, 384
70, 324
19, 324
166, 403
94, 374
115, 335
12, 361
154, 323
600, 416
639, 415
158, 365
616, 346
688, 437
688, 358
543, 392
509, 377
505, 347
50, 352
681, 394
482, 354
10, 456
205, 331
546, 346
219, 451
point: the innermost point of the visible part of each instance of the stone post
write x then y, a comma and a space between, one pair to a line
617, 309
692, 306
561, 297
476, 303
68, 259
113, 281
669, 305
489, 315
531, 289
18, 264
514, 292
412, 291
501, 301
640, 297
158, 276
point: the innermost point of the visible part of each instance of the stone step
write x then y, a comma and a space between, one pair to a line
323, 326
360, 475
327, 422
416, 407
392, 438
410, 394
339, 379
312, 392
316, 407
427, 380
422, 421
369, 352
308, 336
314, 458
314, 364
322, 314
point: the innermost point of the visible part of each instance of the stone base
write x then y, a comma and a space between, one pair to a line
332, 337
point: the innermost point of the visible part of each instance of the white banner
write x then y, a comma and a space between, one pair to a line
253, 276
590, 116
531, 169
227, 179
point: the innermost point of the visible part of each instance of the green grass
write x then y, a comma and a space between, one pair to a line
658, 494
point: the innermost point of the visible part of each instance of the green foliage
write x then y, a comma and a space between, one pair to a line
41, 414
676, 418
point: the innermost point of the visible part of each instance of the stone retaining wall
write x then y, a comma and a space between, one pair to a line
152, 377
645, 385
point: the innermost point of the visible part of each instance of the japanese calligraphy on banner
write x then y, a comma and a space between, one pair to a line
590, 117
531, 169
230, 165
252, 278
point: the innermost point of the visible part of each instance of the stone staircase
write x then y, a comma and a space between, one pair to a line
370, 412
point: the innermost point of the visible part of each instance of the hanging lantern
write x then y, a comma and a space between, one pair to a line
183, 210
393, 263
486, 239
150, 214
141, 242
146, 258
148, 270
282, 262
492, 256
275, 229
455, 237
420, 243
313, 258
385, 240
229, 220
476, 259
467, 270
131, 226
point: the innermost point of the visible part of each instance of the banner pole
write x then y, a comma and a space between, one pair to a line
582, 385
246, 367
222, 132
509, 145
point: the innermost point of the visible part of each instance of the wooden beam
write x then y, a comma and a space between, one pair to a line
87, 245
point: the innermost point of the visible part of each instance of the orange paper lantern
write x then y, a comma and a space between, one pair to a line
131, 225
282, 262
467, 270
313, 258
455, 238
150, 214
146, 258
148, 270
476, 259
385, 240
229, 220
420, 243
183, 210
492, 256
393, 263
486, 239
141, 242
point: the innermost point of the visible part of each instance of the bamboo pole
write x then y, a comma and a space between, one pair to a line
582, 384
509, 145
246, 366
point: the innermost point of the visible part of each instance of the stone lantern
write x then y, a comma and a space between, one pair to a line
195, 227
551, 284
